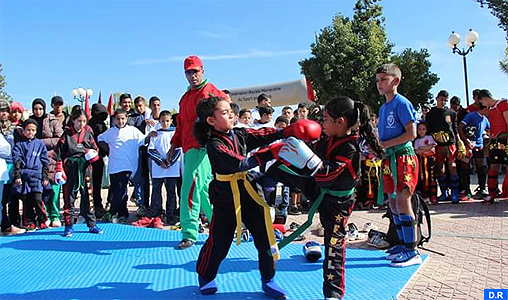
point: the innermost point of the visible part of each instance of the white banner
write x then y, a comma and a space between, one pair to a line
284, 93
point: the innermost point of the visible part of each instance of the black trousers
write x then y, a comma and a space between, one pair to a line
6, 198
222, 230
334, 213
34, 211
97, 171
71, 190
118, 187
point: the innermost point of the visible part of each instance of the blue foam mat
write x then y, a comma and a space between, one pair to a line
126, 262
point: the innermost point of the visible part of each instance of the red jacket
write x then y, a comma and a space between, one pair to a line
184, 136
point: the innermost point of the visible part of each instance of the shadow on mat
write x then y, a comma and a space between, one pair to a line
231, 265
86, 247
121, 290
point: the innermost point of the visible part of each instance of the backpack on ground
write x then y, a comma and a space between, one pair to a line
422, 218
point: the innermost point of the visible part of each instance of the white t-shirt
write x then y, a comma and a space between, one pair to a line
162, 143
123, 148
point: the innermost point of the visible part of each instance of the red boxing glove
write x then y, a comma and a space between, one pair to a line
271, 152
305, 130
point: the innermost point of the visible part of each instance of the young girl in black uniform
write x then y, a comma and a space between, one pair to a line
76, 150
334, 183
235, 189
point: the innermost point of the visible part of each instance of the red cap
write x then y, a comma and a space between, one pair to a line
192, 63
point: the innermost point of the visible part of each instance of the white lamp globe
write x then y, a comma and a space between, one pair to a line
471, 38
453, 40
89, 92
81, 91
74, 93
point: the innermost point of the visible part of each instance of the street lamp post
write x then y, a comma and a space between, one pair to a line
453, 41
80, 93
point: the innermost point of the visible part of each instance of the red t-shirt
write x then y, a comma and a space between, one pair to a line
184, 136
497, 122
473, 107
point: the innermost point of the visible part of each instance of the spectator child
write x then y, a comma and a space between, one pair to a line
16, 116
31, 161
98, 124
266, 113
425, 150
164, 172
76, 151
123, 142
244, 117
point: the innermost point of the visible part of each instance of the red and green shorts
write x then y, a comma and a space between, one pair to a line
446, 153
407, 174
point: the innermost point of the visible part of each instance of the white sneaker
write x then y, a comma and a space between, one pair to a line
114, 219
48, 222
56, 223
406, 259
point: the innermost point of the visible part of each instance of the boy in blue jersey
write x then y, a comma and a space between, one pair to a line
471, 130
397, 130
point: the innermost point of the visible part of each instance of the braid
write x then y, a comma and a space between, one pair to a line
367, 130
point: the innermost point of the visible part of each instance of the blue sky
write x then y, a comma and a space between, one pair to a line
49, 47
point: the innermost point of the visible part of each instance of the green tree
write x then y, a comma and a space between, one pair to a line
3, 94
503, 64
499, 8
347, 53
417, 79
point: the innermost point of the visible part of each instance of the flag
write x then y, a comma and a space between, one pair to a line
100, 97
87, 106
110, 104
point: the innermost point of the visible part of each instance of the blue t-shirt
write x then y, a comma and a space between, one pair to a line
393, 116
479, 124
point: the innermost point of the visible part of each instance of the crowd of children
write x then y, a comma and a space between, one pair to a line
349, 164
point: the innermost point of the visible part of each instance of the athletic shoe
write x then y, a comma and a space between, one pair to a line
95, 229
157, 223
368, 227
68, 231
123, 220
185, 243
114, 219
395, 249
48, 222
480, 193
142, 211
207, 288
406, 259
100, 212
43, 226
378, 241
279, 236
294, 211
321, 230
13, 230
353, 234
56, 223
30, 227
272, 289
294, 226
143, 222
465, 198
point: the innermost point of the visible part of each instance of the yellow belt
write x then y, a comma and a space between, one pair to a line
233, 181
441, 136
372, 164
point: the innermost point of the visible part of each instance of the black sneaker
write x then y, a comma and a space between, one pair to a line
185, 243
294, 211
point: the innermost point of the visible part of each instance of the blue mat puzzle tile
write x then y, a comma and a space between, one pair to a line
127, 262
